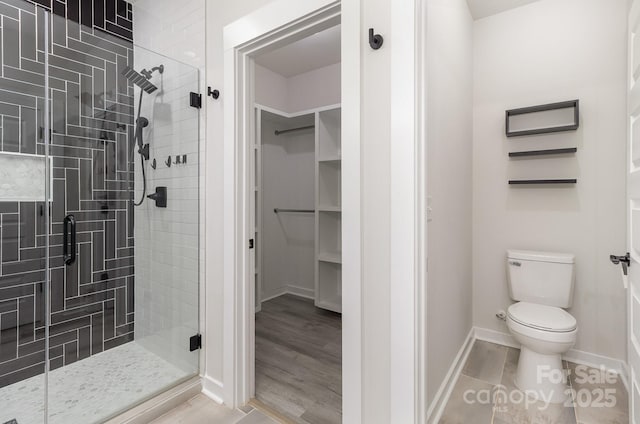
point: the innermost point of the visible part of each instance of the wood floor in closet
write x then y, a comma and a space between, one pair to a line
298, 360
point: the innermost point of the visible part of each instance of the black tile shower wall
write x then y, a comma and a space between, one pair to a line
92, 118
112, 16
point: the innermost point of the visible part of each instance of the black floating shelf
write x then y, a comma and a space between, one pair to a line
543, 152
532, 182
572, 104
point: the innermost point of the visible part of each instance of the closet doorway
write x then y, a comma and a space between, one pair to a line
297, 183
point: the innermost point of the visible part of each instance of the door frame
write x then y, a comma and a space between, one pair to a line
630, 282
272, 26
266, 29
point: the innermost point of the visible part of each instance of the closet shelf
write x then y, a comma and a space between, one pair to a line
335, 258
534, 182
330, 159
543, 152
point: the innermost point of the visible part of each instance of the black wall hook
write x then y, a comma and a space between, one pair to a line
375, 40
213, 93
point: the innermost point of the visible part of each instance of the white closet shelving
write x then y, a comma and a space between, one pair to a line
328, 208
328, 287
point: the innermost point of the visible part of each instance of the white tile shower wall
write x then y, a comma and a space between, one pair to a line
169, 242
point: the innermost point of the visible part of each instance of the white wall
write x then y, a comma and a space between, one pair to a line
376, 216
271, 89
449, 138
310, 90
218, 15
320, 87
553, 50
288, 181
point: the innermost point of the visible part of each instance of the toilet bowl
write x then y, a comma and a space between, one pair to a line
545, 333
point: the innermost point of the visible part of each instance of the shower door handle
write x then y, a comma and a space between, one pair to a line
69, 251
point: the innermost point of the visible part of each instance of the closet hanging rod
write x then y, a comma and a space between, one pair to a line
278, 210
308, 127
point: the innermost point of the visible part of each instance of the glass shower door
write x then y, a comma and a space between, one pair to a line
24, 182
124, 298
99, 298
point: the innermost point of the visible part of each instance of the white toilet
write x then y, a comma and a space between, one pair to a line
542, 284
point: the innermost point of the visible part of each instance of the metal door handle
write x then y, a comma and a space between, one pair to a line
69, 250
625, 261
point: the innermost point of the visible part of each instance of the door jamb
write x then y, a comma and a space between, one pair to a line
268, 28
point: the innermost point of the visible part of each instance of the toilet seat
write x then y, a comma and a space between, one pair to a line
542, 317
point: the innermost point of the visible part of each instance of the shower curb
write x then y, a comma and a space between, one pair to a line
161, 404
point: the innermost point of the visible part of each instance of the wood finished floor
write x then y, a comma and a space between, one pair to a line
298, 360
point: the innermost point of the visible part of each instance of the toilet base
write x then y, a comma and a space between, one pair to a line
542, 376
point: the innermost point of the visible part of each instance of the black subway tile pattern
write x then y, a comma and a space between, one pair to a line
92, 304
113, 16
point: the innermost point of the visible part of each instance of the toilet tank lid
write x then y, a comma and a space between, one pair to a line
529, 255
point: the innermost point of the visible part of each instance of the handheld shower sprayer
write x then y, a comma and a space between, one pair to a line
143, 148
141, 79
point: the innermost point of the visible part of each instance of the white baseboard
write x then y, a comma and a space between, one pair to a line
497, 337
213, 389
444, 392
301, 292
161, 404
294, 290
281, 292
576, 356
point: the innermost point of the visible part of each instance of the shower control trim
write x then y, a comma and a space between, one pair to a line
160, 197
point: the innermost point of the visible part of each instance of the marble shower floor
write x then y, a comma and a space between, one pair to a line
90, 390
491, 367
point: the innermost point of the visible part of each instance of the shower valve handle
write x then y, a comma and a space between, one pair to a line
160, 197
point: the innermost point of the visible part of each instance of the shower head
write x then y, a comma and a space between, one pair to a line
142, 82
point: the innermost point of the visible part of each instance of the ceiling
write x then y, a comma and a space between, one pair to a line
314, 52
483, 8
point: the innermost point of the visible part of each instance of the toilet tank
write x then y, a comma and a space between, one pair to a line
544, 278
